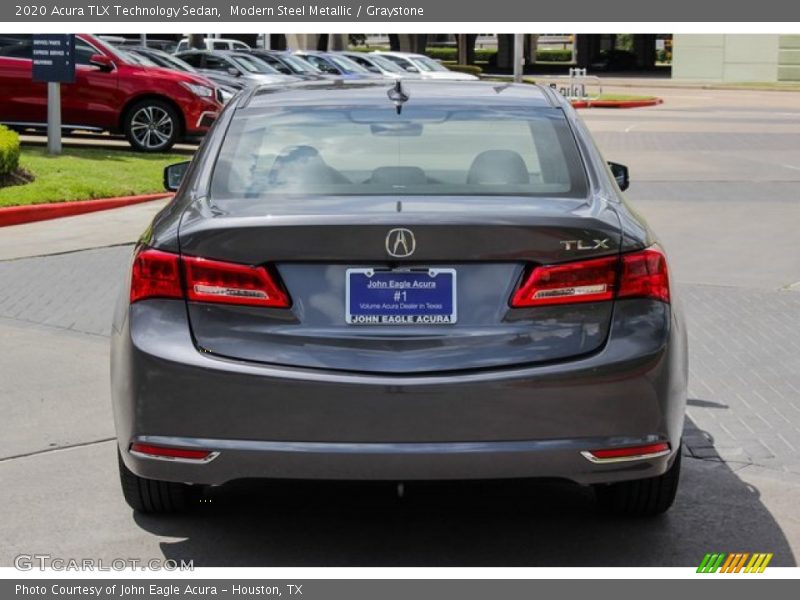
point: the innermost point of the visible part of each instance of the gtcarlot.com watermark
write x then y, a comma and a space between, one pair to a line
42, 562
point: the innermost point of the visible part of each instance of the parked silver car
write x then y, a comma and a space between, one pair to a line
380, 65
424, 66
242, 65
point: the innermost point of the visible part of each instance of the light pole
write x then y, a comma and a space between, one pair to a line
519, 56
53, 117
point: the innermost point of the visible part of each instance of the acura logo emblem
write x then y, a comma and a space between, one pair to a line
400, 243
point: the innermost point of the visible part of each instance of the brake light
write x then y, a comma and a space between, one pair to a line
641, 274
157, 274
231, 283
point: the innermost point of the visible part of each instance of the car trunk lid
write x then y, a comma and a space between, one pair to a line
488, 249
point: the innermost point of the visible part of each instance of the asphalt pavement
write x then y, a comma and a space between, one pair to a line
717, 174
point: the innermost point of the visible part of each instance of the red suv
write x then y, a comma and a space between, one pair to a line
113, 91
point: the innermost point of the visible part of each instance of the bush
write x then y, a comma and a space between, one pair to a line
490, 56
442, 54
9, 152
484, 55
451, 54
554, 55
471, 69
366, 49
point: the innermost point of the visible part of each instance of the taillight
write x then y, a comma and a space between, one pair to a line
644, 275
584, 281
640, 274
157, 274
231, 283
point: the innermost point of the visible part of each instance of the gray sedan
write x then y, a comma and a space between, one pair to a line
399, 282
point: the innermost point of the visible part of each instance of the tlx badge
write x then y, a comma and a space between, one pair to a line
583, 245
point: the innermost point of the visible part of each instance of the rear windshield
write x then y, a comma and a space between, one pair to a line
422, 151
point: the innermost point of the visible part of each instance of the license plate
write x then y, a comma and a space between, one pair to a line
418, 297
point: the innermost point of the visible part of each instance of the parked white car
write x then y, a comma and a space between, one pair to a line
214, 44
425, 66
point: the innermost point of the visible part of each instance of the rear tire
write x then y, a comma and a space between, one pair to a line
152, 125
641, 497
154, 496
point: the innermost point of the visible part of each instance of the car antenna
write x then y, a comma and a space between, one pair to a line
398, 95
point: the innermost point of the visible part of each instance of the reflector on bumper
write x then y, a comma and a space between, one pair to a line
628, 453
172, 453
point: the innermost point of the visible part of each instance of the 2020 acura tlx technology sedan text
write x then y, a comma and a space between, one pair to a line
422, 281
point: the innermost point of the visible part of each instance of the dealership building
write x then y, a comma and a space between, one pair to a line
736, 58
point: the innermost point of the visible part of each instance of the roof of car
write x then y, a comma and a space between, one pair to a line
216, 52
401, 54
374, 92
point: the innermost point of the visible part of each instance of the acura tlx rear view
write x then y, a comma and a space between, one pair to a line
429, 281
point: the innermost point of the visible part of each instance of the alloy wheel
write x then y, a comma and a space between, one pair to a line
152, 127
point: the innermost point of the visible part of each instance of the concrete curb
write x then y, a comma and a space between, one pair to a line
616, 103
16, 215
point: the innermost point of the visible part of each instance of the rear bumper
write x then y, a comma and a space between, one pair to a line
235, 459
278, 422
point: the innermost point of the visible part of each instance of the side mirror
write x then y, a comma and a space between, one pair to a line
173, 175
233, 71
411, 69
621, 175
102, 62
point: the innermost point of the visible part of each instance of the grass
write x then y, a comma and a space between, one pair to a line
85, 174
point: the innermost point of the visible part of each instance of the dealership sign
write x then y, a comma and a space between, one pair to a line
54, 57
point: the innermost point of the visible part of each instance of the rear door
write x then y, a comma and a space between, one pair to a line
94, 99
21, 100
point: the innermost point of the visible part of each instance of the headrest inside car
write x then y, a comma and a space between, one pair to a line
498, 167
398, 176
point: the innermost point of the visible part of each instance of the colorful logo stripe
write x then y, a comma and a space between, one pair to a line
735, 562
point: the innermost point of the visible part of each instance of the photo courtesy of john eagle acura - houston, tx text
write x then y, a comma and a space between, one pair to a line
401, 282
